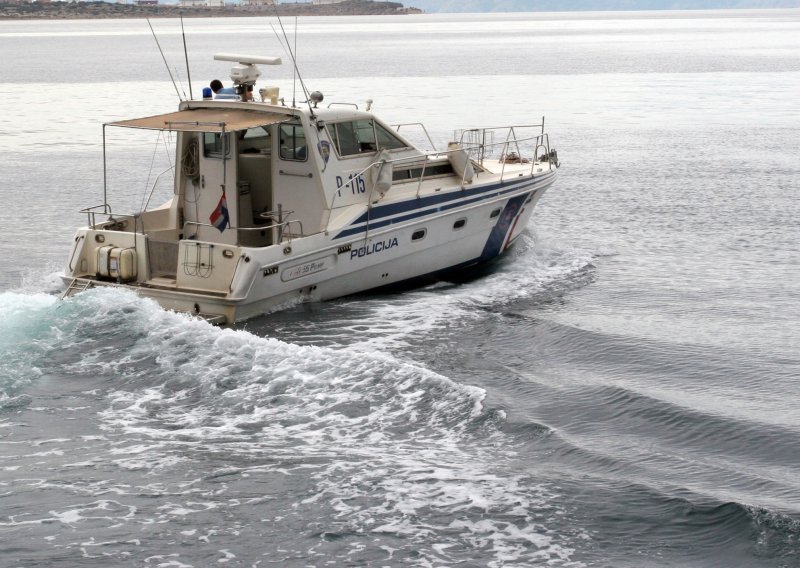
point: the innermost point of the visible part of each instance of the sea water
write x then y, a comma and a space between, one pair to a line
620, 390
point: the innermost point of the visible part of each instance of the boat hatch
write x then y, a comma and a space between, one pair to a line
205, 120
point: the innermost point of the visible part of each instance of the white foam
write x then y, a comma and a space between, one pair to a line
533, 266
24, 336
46, 279
166, 561
385, 442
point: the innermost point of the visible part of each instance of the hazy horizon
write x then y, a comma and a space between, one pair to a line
441, 6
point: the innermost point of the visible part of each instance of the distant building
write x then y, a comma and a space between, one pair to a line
202, 3
259, 2
146, 2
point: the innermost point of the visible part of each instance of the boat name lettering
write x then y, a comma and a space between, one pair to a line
374, 248
304, 269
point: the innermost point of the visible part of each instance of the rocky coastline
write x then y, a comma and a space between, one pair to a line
97, 10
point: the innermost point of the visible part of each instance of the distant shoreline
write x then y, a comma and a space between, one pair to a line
107, 10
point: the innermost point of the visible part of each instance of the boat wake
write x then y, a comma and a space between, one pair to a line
533, 269
390, 461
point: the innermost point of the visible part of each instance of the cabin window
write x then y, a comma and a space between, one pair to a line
416, 173
215, 145
459, 224
419, 234
494, 213
365, 134
293, 142
362, 137
387, 140
254, 140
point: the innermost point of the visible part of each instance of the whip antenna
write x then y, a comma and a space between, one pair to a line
177, 92
186, 56
294, 60
294, 83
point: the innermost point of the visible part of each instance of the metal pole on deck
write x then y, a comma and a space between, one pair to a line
105, 176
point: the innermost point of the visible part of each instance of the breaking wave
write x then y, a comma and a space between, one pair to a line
404, 464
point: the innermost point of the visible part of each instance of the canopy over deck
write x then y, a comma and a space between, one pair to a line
205, 120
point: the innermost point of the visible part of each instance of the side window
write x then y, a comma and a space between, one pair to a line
215, 145
387, 140
293, 142
365, 133
361, 137
345, 139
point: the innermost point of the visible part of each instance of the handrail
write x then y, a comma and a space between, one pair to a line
420, 156
155, 183
425, 130
540, 141
91, 213
282, 225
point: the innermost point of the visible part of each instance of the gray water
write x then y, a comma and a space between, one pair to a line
620, 390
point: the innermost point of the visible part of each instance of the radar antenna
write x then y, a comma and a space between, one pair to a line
244, 74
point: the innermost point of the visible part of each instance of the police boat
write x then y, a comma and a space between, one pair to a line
274, 203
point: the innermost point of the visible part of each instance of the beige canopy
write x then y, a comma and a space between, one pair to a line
205, 120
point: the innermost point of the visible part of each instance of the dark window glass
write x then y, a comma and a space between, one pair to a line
419, 234
460, 223
430, 171
293, 142
365, 133
362, 137
387, 140
213, 143
494, 213
344, 139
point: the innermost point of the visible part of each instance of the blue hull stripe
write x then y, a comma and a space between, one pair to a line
421, 207
499, 232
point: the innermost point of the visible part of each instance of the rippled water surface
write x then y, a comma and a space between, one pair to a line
620, 390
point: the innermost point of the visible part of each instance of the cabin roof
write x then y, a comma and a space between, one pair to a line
216, 119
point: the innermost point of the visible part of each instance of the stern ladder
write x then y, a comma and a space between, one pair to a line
77, 286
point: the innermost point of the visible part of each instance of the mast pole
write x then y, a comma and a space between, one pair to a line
186, 56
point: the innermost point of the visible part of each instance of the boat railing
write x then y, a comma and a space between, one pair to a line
508, 150
419, 125
480, 142
286, 227
170, 169
113, 222
510, 153
281, 222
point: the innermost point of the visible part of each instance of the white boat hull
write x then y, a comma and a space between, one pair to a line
374, 253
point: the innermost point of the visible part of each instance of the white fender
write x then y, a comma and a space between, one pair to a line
459, 159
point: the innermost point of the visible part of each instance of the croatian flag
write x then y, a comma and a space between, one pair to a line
219, 217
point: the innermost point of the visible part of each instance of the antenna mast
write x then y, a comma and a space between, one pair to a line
165, 60
294, 60
186, 56
294, 72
